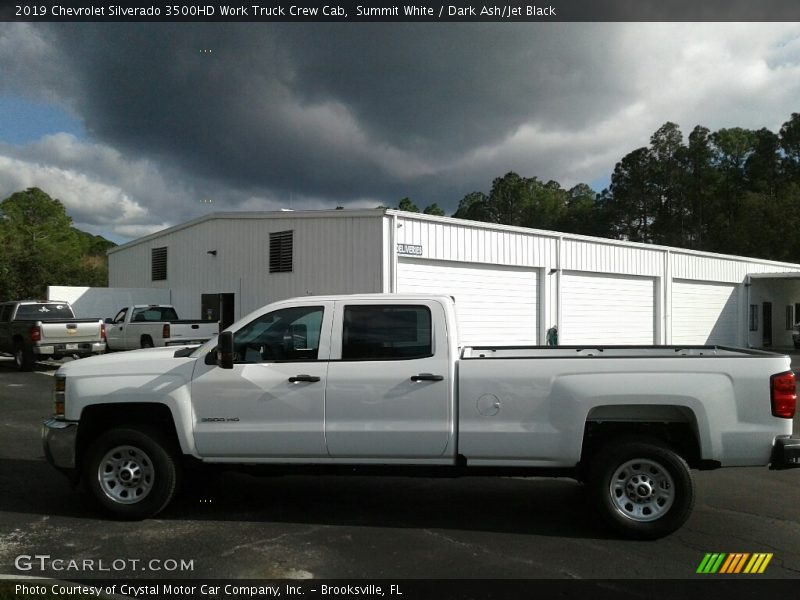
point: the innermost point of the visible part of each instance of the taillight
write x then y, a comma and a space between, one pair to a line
102, 331
783, 394
36, 333
165, 331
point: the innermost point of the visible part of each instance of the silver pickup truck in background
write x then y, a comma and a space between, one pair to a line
379, 384
154, 325
33, 330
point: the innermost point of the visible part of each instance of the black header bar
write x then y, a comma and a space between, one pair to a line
376, 11
702, 587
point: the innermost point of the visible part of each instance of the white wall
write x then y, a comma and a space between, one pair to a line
356, 251
781, 293
97, 302
335, 255
554, 254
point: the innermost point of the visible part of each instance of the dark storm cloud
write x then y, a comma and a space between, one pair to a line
182, 119
340, 111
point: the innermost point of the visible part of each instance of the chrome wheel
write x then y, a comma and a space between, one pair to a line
642, 490
126, 474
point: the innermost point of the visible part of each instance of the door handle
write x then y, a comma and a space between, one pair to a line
426, 377
308, 378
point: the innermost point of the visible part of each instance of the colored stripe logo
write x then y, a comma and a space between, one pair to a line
734, 563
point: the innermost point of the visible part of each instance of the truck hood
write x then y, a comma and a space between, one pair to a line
148, 360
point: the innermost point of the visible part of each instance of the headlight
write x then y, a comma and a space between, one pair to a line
59, 394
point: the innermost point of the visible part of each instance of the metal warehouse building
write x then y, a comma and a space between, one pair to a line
510, 284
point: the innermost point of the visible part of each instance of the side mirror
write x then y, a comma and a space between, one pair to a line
225, 350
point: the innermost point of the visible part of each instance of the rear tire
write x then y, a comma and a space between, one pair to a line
23, 358
147, 342
642, 490
132, 473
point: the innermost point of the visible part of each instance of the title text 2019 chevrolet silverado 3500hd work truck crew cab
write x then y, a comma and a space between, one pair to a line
380, 381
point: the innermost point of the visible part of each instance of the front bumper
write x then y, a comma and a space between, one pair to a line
785, 453
59, 442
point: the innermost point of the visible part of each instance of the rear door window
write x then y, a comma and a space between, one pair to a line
386, 332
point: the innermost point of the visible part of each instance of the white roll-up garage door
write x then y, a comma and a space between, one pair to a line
704, 313
607, 309
495, 304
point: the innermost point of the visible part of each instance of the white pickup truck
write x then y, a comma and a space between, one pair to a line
152, 325
379, 383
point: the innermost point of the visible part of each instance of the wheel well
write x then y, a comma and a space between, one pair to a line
680, 436
145, 336
101, 417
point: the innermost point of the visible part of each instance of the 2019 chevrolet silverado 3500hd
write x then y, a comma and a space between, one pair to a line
379, 382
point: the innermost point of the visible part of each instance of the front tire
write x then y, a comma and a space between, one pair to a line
641, 490
132, 473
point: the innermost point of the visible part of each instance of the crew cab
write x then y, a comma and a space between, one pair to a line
378, 383
153, 325
33, 330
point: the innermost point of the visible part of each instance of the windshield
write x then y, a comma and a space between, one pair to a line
44, 311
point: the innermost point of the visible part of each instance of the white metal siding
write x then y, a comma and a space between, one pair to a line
494, 304
334, 255
704, 313
580, 255
465, 241
602, 309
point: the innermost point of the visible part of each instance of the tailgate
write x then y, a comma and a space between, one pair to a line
73, 331
193, 331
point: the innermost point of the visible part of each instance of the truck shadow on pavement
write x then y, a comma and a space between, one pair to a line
549, 507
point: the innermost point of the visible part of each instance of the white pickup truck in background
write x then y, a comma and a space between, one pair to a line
153, 325
378, 383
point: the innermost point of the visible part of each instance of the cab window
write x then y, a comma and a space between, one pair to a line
154, 313
288, 334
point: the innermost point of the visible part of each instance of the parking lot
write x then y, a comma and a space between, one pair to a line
227, 525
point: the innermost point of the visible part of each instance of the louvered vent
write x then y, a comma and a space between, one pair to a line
280, 252
159, 264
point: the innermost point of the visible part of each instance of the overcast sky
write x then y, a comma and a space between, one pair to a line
136, 127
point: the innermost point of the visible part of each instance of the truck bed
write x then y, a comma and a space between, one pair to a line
534, 404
